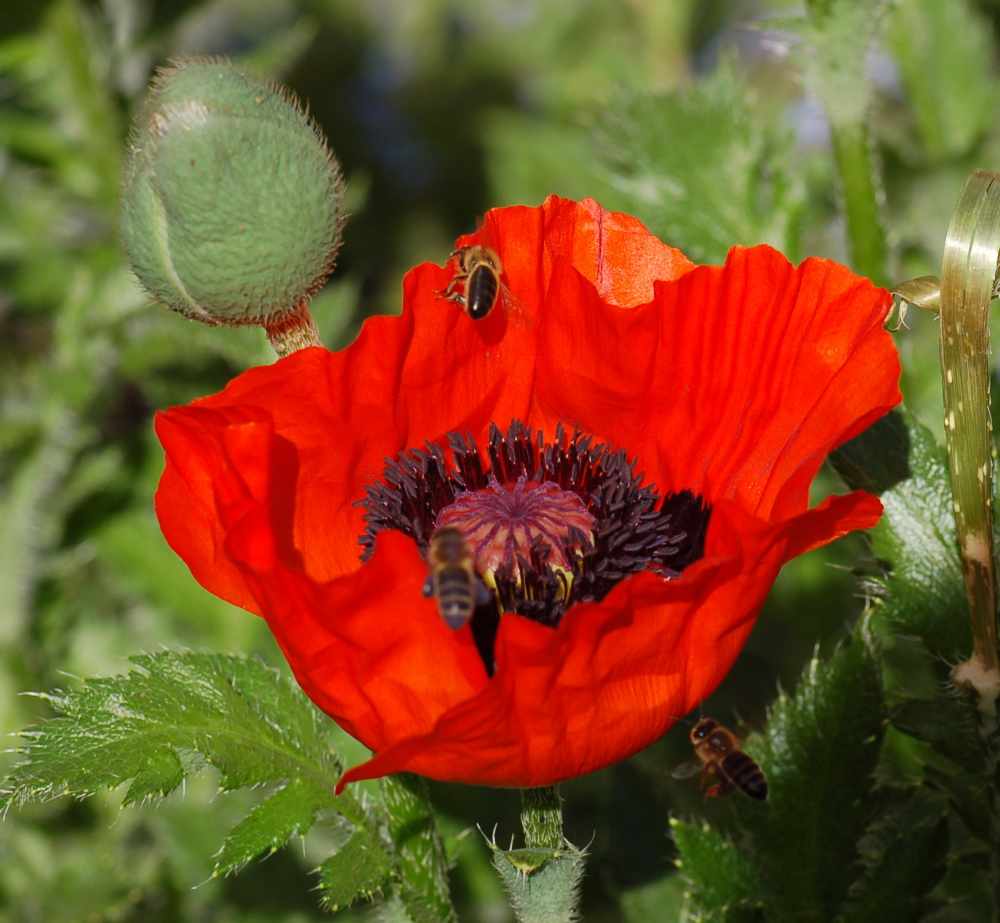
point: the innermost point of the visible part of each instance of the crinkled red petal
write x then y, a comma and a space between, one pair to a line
734, 381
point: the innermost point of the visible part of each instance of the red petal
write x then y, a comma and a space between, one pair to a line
613, 251
616, 675
196, 486
369, 648
735, 381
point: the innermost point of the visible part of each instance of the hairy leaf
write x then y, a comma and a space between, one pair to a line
357, 871
728, 183
289, 811
898, 459
819, 751
419, 852
721, 881
171, 714
897, 878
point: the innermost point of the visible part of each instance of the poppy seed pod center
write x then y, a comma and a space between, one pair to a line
547, 523
502, 523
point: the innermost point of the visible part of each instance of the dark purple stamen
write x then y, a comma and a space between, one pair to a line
549, 524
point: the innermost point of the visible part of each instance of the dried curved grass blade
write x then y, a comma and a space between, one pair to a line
968, 272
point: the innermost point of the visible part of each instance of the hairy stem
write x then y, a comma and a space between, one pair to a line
294, 331
541, 817
856, 166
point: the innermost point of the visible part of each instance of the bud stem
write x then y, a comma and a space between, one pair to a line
294, 331
541, 817
855, 155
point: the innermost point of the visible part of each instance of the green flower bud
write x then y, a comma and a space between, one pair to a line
231, 208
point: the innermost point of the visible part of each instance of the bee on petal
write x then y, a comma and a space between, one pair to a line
476, 285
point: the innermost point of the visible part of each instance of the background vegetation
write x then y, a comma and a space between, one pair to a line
716, 122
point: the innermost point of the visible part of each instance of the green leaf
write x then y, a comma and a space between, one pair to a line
949, 725
30, 511
161, 773
662, 899
897, 879
728, 183
898, 459
420, 857
945, 61
289, 811
359, 870
819, 752
77, 74
839, 36
721, 881
178, 709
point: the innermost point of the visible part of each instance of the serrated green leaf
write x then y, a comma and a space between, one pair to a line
357, 871
945, 61
419, 852
728, 183
235, 713
896, 880
290, 811
949, 725
819, 751
721, 881
898, 459
965, 895
161, 773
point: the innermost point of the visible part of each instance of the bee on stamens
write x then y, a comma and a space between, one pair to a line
478, 277
452, 579
724, 767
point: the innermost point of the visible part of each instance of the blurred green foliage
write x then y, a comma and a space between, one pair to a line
703, 118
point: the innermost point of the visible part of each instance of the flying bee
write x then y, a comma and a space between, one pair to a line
479, 268
452, 578
722, 764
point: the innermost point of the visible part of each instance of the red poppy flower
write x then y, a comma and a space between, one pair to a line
307, 491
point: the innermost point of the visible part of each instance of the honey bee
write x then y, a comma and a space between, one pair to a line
479, 269
722, 763
452, 578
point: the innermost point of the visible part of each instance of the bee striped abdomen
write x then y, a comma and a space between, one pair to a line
724, 764
745, 774
455, 594
452, 580
481, 291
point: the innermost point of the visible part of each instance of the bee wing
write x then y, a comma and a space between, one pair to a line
687, 770
510, 303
